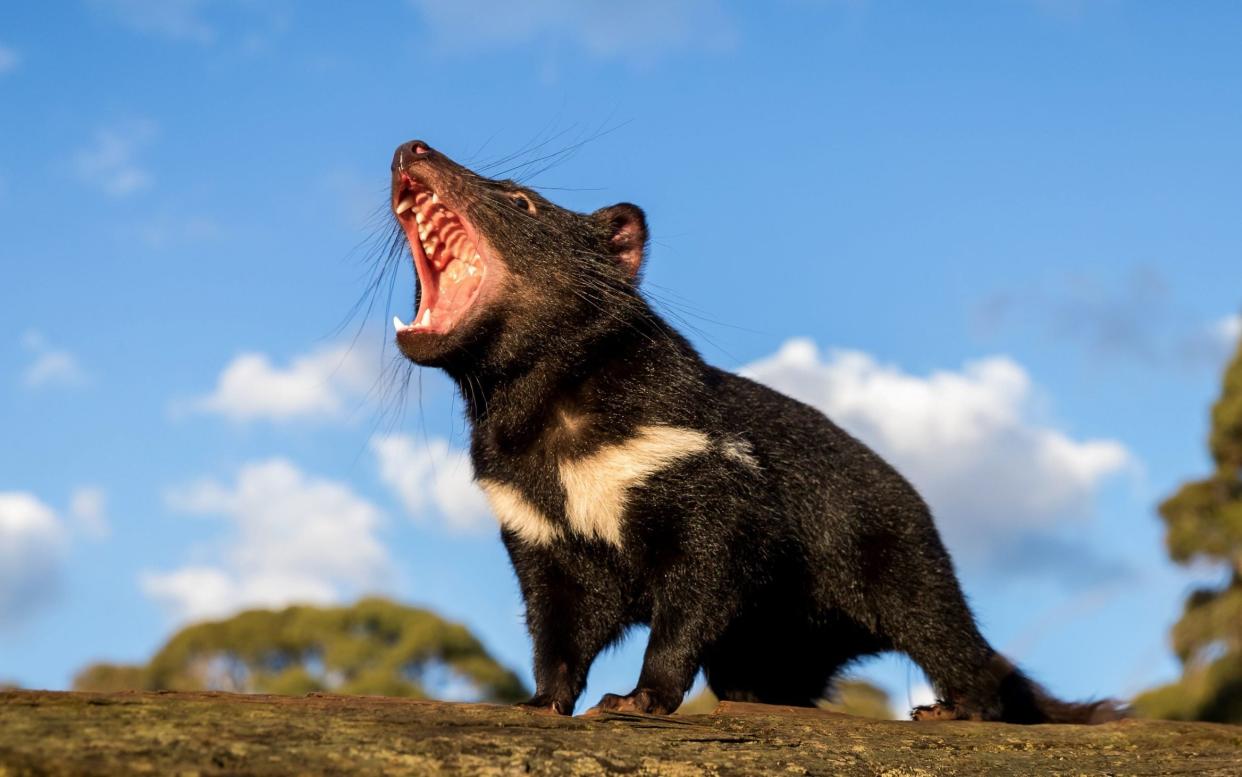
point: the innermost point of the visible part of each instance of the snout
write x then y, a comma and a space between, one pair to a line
408, 153
415, 163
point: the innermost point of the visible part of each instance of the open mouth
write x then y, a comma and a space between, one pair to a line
447, 256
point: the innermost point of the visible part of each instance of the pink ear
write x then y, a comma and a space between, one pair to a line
627, 229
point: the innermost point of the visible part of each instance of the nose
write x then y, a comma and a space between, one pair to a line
409, 152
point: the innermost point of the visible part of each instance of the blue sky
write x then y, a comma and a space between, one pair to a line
997, 240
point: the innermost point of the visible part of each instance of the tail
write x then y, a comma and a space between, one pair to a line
1022, 700
1001, 692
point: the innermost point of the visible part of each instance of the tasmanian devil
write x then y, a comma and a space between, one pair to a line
635, 484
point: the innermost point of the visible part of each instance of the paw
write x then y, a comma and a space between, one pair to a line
932, 712
545, 705
942, 710
640, 701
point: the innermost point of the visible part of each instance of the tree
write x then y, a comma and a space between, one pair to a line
107, 678
1204, 523
374, 647
849, 695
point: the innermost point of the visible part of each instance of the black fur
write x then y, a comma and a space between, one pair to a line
772, 574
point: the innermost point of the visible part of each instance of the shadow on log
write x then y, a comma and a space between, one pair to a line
212, 733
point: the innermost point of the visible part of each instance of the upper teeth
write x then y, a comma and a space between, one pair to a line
405, 205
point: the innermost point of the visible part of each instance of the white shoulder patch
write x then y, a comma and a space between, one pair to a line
518, 515
596, 485
741, 451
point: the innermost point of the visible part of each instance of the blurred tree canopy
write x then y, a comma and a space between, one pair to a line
850, 695
859, 697
374, 647
1204, 523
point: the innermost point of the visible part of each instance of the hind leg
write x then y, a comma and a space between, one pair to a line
1003, 692
906, 590
932, 624
961, 667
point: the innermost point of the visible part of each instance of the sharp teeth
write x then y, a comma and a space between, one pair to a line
397, 323
426, 317
405, 205
435, 197
418, 216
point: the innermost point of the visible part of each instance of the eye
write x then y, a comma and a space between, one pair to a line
522, 201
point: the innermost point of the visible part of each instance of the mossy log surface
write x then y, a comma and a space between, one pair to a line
214, 733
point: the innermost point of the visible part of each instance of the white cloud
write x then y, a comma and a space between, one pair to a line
1229, 330
432, 476
639, 29
110, 163
51, 367
317, 386
170, 230
9, 60
1130, 317
965, 438
1213, 343
293, 538
88, 509
172, 19
247, 24
33, 542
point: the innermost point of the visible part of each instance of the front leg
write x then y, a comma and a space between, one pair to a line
569, 623
691, 611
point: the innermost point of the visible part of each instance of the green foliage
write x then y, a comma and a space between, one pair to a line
107, 678
1204, 523
851, 696
374, 647
702, 703
861, 698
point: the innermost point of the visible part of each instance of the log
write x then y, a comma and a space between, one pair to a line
217, 733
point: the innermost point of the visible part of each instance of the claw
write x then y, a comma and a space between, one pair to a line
539, 706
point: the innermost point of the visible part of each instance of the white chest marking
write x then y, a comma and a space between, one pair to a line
597, 485
518, 515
